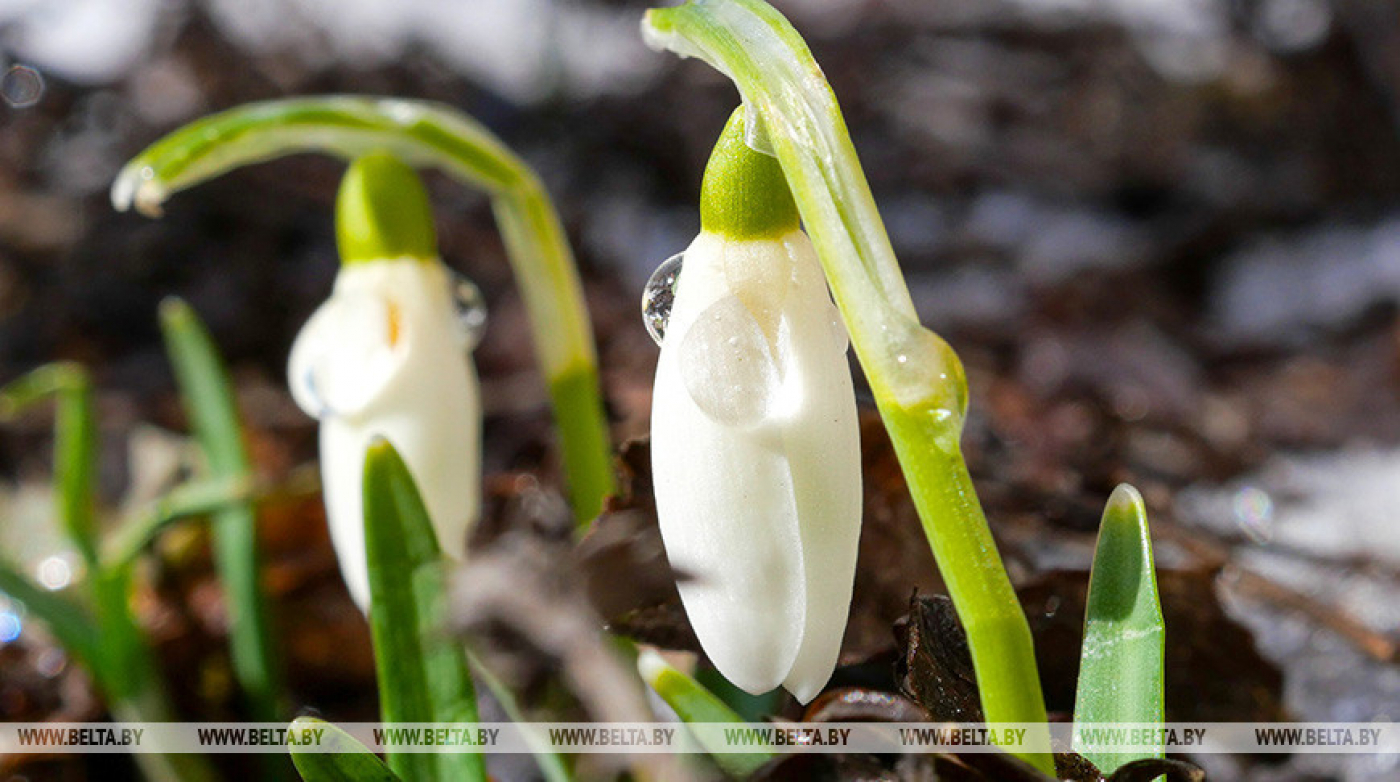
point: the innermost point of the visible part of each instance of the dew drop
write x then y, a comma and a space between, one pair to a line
469, 306
659, 295
727, 365
21, 86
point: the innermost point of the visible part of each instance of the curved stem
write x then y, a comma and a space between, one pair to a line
916, 377
426, 135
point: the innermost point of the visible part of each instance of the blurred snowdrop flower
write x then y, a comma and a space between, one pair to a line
387, 356
755, 445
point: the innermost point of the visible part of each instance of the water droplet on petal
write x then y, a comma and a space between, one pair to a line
470, 308
21, 86
659, 295
727, 365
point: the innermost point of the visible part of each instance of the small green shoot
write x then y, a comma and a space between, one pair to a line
1121, 674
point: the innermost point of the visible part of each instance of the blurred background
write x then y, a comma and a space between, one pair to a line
1164, 235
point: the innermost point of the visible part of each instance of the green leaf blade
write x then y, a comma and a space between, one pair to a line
1122, 665
422, 671
75, 446
337, 758
213, 414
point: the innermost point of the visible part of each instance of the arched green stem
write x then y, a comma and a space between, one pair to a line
916, 378
424, 135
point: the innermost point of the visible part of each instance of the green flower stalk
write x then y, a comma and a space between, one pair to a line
422, 135
916, 378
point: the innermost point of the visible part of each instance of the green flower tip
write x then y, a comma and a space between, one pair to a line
382, 211
744, 194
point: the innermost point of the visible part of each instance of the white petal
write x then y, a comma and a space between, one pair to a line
345, 354
764, 515
822, 440
425, 402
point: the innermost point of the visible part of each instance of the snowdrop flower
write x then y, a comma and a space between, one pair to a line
755, 446
385, 356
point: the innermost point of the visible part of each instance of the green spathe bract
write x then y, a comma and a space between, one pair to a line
382, 211
1121, 668
421, 668
744, 194
916, 378
421, 134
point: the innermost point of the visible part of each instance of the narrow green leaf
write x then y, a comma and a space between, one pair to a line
1121, 674
214, 420
422, 670
75, 445
695, 704
338, 757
